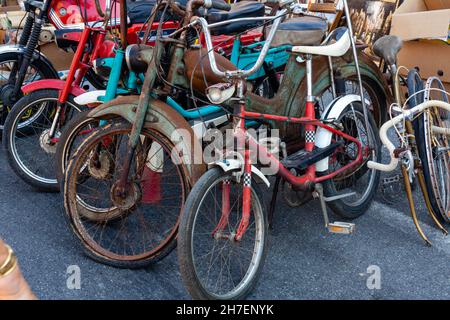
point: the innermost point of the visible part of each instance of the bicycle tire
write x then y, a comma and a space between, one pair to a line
188, 268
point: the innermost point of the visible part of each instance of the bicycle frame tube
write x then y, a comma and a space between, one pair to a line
78, 60
235, 52
306, 181
111, 88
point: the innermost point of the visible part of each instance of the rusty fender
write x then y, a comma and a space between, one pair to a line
163, 119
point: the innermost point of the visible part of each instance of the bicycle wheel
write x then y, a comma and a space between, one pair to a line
434, 150
29, 150
72, 136
140, 226
360, 183
263, 86
37, 70
213, 264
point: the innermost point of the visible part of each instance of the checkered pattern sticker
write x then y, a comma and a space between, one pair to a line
247, 180
227, 181
310, 136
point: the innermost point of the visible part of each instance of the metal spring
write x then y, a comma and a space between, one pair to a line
34, 39
26, 32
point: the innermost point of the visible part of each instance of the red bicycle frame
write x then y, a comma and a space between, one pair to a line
246, 143
82, 61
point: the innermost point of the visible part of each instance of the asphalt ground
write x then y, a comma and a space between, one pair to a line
304, 260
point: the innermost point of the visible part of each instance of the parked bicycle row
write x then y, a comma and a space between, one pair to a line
197, 105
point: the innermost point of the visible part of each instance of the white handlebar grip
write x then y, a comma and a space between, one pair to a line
385, 127
389, 145
383, 167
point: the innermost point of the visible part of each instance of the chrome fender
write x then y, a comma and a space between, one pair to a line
234, 164
90, 97
333, 111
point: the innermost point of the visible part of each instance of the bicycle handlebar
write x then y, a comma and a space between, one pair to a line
391, 123
238, 73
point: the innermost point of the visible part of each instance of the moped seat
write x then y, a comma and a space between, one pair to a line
138, 11
337, 49
303, 30
243, 9
387, 48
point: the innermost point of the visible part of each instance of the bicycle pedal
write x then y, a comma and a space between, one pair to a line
341, 227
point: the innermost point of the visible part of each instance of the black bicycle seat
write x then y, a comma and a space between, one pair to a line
387, 48
243, 9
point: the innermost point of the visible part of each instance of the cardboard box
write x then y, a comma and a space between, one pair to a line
437, 4
413, 20
424, 27
60, 59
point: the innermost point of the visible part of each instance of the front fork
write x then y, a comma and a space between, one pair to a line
79, 59
28, 56
246, 177
246, 196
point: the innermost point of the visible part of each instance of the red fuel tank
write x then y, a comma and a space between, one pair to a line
71, 14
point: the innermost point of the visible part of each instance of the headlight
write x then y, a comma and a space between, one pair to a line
220, 92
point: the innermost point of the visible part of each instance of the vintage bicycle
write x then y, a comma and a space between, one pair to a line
223, 232
32, 133
422, 129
